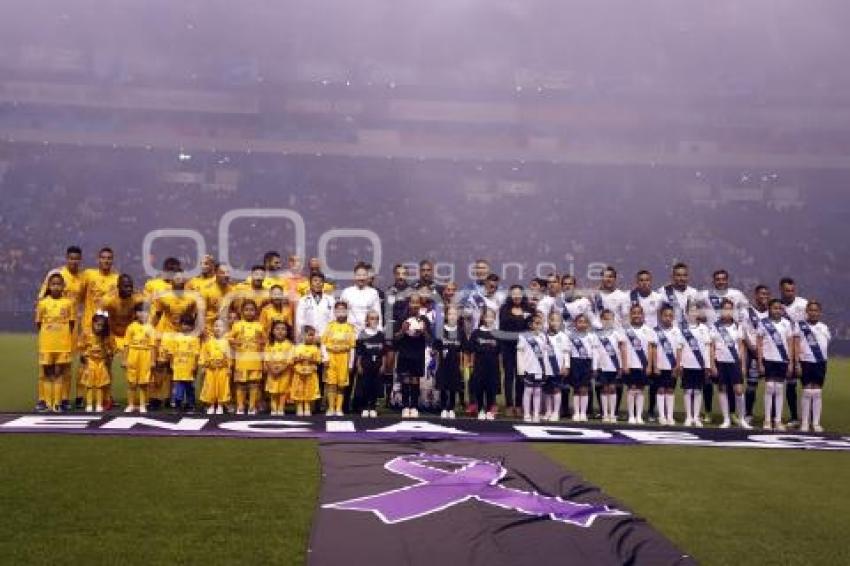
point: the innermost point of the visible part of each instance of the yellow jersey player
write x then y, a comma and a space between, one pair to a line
253, 289
97, 283
121, 307
303, 286
216, 299
156, 286
206, 279
170, 306
55, 318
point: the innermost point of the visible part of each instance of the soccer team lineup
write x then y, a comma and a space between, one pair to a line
285, 341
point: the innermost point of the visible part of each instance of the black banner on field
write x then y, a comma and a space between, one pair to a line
447, 503
390, 428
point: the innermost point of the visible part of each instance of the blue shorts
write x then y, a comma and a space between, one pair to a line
693, 378
729, 373
636, 378
529, 380
814, 373
607, 378
555, 383
774, 371
581, 370
665, 379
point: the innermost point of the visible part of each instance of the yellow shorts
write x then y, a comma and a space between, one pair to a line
336, 372
216, 387
247, 375
279, 385
51, 358
138, 375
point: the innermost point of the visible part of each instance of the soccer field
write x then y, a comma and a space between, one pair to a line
103, 500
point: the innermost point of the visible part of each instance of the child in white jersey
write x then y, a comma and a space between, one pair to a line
775, 340
812, 354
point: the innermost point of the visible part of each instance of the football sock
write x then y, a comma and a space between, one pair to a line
817, 406
724, 405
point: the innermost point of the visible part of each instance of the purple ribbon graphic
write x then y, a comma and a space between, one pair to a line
439, 489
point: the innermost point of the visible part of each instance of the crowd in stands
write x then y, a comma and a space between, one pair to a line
571, 217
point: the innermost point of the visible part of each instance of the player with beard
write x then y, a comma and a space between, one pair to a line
573, 303
552, 300
201, 283
361, 298
678, 294
713, 298
794, 308
650, 301
753, 315
426, 283
97, 284
121, 307
395, 311
609, 297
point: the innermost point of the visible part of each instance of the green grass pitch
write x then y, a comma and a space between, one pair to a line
100, 500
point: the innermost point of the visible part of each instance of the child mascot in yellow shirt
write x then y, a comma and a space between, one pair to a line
55, 318
305, 379
248, 341
96, 350
338, 343
183, 351
217, 361
278, 366
140, 342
